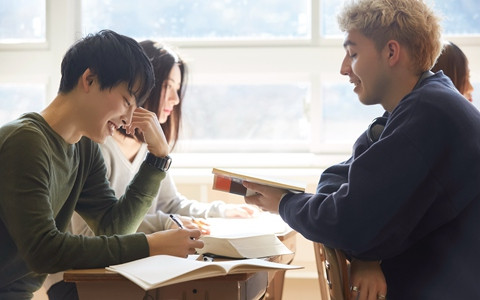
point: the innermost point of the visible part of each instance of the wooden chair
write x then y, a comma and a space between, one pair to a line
332, 271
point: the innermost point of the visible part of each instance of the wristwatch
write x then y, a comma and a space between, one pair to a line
161, 163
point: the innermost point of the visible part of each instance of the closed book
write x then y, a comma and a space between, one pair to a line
232, 182
243, 246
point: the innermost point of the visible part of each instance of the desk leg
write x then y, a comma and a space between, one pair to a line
275, 287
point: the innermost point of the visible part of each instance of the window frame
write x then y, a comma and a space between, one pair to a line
30, 45
210, 57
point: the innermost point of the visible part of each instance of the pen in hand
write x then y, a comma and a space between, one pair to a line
177, 221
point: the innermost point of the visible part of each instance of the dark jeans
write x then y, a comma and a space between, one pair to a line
63, 291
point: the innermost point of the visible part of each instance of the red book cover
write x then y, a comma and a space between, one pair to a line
231, 182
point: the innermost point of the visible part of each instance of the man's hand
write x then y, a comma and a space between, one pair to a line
367, 280
176, 242
266, 197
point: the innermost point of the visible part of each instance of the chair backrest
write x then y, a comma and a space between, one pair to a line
332, 271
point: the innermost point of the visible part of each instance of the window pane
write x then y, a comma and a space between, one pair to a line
17, 99
22, 21
328, 18
197, 19
460, 17
344, 117
265, 116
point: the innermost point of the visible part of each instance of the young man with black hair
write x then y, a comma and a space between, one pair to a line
52, 165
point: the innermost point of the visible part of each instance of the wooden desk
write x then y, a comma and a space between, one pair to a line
102, 284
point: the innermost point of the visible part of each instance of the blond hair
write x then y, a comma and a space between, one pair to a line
410, 22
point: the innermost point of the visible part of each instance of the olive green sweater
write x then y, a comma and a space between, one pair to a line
43, 180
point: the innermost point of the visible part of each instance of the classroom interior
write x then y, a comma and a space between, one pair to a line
266, 77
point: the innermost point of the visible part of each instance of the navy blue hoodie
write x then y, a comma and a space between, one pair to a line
410, 199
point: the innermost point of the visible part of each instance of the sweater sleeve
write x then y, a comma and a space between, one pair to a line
107, 215
364, 213
388, 201
32, 197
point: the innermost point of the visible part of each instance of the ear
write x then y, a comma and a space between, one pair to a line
392, 52
87, 79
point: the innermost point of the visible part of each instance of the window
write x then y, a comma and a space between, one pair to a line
267, 115
22, 21
264, 75
250, 117
17, 99
458, 16
200, 20
344, 118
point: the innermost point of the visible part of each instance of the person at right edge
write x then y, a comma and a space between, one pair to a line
409, 197
454, 63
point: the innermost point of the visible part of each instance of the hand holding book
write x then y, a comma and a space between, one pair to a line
232, 182
266, 197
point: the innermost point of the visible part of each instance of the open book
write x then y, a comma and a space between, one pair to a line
161, 270
246, 246
260, 223
231, 182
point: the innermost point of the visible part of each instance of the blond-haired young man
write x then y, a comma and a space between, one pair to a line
410, 194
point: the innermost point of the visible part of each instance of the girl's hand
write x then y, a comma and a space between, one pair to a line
193, 223
240, 211
146, 122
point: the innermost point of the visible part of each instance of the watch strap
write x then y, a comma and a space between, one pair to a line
161, 163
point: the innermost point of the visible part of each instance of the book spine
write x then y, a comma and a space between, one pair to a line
230, 185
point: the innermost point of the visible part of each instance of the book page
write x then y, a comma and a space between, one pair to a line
252, 265
250, 246
160, 270
261, 223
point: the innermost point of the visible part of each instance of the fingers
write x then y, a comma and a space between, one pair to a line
147, 123
361, 292
254, 200
143, 120
354, 292
251, 210
237, 212
194, 234
200, 224
266, 197
194, 243
258, 188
